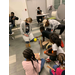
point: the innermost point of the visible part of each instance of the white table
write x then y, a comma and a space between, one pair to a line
43, 14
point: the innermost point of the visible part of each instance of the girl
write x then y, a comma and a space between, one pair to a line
55, 49
59, 70
31, 65
54, 25
25, 29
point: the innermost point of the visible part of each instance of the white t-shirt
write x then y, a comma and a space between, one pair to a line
58, 49
54, 23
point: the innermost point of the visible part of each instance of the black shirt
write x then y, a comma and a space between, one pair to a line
27, 27
45, 34
39, 11
13, 21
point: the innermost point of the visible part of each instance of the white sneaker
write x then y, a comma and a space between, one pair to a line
60, 36
12, 33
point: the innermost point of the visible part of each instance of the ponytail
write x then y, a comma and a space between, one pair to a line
28, 54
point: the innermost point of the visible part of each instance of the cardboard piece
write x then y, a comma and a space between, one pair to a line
45, 42
37, 55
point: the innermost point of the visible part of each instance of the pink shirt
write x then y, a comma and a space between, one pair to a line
58, 71
28, 67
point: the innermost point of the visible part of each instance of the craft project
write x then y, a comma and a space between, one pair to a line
37, 55
45, 42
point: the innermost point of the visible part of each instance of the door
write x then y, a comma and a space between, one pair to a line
32, 7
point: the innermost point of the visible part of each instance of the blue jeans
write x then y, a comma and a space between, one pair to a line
55, 66
42, 64
10, 28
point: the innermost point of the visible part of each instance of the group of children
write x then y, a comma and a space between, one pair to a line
31, 65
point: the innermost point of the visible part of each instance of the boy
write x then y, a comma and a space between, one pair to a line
12, 19
44, 33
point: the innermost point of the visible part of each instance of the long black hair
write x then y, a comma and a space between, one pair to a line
54, 38
28, 54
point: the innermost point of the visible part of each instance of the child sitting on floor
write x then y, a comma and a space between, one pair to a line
31, 65
55, 49
59, 70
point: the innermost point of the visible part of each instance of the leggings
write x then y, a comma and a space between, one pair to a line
61, 27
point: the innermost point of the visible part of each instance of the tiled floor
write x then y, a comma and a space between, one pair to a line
17, 46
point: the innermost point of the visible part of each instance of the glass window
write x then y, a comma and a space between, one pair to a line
63, 1
56, 4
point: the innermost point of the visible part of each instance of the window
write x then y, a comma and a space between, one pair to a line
63, 1
56, 4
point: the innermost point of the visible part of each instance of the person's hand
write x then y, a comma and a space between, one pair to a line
45, 52
36, 37
13, 18
39, 59
26, 35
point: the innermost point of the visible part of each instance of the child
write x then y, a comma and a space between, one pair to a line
54, 25
59, 70
39, 12
44, 33
31, 65
56, 47
25, 28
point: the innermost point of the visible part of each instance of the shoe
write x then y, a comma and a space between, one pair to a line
57, 62
60, 36
12, 33
48, 60
29, 45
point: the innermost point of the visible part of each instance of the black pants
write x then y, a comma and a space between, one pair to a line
53, 58
39, 17
61, 27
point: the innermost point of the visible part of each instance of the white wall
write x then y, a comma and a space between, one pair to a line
18, 7
50, 2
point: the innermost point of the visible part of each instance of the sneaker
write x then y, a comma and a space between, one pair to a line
12, 33
48, 60
56, 62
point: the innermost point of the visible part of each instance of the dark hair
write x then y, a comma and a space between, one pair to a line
12, 13
42, 28
28, 54
61, 58
55, 39
38, 7
47, 23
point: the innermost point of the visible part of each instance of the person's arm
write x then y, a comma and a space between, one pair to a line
43, 39
49, 49
51, 54
38, 67
38, 36
21, 29
50, 68
37, 12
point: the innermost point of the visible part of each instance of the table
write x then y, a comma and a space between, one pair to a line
44, 14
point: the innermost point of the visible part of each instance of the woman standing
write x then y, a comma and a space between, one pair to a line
25, 29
